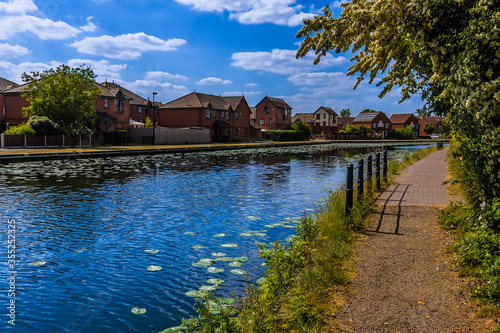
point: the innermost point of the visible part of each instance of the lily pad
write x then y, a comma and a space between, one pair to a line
196, 293
260, 243
154, 268
229, 245
260, 234
215, 281
175, 329
80, 250
219, 235
218, 254
152, 251
261, 281
242, 259
37, 263
224, 259
238, 271
138, 311
215, 270
201, 264
253, 218
246, 234
235, 264
190, 233
210, 260
209, 288
196, 247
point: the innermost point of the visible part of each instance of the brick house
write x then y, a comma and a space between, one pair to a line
325, 121
403, 120
379, 123
228, 118
273, 113
305, 117
434, 121
342, 122
12, 104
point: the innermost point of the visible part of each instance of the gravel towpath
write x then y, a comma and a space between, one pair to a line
403, 281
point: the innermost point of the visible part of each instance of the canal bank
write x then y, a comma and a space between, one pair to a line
13, 155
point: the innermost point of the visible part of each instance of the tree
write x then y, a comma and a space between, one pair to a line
448, 50
428, 129
300, 125
344, 113
65, 95
43, 125
149, 123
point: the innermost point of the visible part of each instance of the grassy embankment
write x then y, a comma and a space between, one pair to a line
300, 278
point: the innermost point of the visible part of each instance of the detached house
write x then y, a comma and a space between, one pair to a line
228, 118
305, 117
325, 121
377, 121
273, 113
403, 120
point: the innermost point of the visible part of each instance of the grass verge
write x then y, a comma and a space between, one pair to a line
301, 277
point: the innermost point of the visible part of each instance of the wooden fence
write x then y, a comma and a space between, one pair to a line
44, 141
164, 136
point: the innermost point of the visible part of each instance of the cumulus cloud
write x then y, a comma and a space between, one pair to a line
90, 26
280, 61
13, 72
125, 47
11, 51
166, 91
241, 93
158, 75
280, 12
18, 6
102, 68
212, 80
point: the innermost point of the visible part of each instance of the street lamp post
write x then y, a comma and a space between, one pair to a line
154, 116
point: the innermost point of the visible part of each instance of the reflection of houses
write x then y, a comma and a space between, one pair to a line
228, 118
325, 121
403, 120
273, 113
435, 122
377, 121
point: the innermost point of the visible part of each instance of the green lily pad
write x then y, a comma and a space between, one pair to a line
190, 233
229, 245
260, 234
138, 311
154, 268
201, 264
215, 281
196, 293
238, 271
219, 235
196, 247
37, 263
235, 264
218, 254
261, 281
260, 243
242, 259
253, 218
80, 250
224, 259
246, 234
210, 260
152, 251
175, 329
209, 288
215, 270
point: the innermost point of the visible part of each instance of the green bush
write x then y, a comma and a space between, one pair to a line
23, 129
287, 135
402, 134
43, 125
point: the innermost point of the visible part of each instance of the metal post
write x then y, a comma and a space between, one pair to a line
349, 189
377, 170
2, 139
360, 180
63, 141
385, 165
369, 174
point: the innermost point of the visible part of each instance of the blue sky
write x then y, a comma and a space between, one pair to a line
173, 47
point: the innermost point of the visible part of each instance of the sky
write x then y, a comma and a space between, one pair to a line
175, 47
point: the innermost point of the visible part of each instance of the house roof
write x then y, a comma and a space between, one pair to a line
306, 117
6, 84
103, 116
432, 120
328, 110
134, 98
278, 102
15, 89
342, 121
366, 117
400, 118
199, 100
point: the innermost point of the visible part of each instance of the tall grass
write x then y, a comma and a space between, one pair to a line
300, 277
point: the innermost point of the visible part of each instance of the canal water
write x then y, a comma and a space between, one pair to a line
86, 231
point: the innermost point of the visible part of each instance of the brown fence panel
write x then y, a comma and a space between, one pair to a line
14, 140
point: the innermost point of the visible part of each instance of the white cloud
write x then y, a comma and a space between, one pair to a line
241, 93
13, 72
90, 26
158, 75
251, 84
166, 91
212, 80
45, 29
322, 78
126, 47
280, 61
280, 12
102, 68
18, 6
11, 51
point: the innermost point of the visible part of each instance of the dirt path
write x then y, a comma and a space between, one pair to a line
403, 281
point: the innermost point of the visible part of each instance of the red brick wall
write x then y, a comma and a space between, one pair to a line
13, 108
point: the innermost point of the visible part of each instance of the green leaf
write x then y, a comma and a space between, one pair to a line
152, 251
154, 268
37, 263
229, 245
138, 311
238, 271
235, 264
215, 270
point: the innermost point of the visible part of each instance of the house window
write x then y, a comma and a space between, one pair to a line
139, 109
119, 105
324, 116
106, 103
270, 121
374, 125
208, 114
318, 116
237, 115
215, 115
386, 125
266, 110
222, 115
228, 115
288, 111
261, 122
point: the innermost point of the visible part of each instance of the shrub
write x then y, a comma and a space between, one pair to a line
23, 129
43, 125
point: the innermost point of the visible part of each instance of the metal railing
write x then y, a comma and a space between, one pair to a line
364, 177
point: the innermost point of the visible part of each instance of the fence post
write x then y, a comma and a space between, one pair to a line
25, 142
360, 180
377, 170
349, 189
80, 141
2, 141
45, 140
385, 165
63, 140
369, 174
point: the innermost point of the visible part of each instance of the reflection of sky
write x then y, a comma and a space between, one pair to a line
92, 220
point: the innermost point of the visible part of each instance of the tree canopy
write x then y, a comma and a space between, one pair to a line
67, 96
447, 50
344, 113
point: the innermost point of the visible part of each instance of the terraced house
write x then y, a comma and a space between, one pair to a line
377, 121
273, 113
227, 117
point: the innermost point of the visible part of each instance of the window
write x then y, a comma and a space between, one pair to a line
261, 121
222, 115
374, 125
106, 103
386, 125
266, 110
228, 115
318, 116
237, 115
215, 115
119, 105
288, 111
324, 123
270, 121
324, 116
208, 114
139, 109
